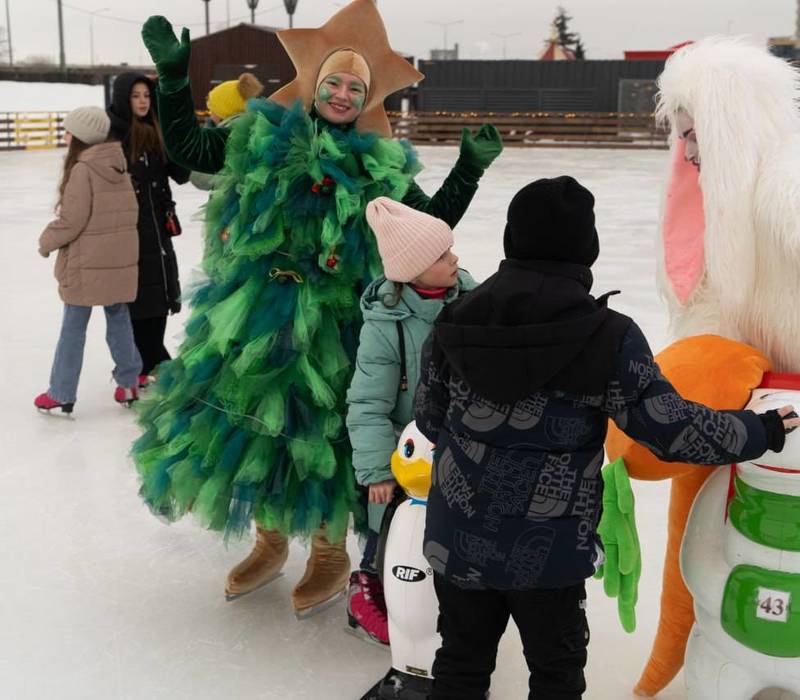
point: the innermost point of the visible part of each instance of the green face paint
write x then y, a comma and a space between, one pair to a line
358, 100
356, 91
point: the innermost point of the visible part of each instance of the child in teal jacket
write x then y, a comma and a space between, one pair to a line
421, 277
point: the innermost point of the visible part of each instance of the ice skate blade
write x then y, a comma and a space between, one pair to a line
397, 685
230, 597
305, 613
360, 633
63, 412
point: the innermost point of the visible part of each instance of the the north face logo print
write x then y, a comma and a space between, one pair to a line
453, 485
567, 432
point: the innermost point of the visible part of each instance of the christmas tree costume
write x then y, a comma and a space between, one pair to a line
247, 423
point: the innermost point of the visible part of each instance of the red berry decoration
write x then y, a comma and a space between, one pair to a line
332, 262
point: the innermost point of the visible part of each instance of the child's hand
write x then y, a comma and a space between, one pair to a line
382, 492
790, 419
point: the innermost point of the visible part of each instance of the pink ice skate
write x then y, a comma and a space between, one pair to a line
145, 380
45, 404
366, 607
126, 397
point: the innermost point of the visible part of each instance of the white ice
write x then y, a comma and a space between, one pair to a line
48, 97
99, 599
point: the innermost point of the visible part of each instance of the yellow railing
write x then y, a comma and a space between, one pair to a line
31, 130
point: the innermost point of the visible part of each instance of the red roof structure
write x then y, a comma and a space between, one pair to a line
554, 51
661, 55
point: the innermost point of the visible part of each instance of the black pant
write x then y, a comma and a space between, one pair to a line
551, 622
148, 333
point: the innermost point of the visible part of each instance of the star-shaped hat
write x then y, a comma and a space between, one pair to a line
357, 27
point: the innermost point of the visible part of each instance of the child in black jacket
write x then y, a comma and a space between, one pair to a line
519, 378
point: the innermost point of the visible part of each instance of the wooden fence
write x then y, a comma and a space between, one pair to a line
537, 129
37, 130
31, 130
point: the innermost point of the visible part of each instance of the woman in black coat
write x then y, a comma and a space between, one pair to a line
134, 122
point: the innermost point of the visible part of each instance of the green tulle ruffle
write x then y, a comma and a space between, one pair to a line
248, 421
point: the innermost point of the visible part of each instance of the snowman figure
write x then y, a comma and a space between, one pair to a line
408, 578
740, 559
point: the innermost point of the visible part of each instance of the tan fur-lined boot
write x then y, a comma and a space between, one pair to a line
261, 566
326, 577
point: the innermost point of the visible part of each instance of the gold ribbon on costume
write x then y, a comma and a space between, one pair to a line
277, 274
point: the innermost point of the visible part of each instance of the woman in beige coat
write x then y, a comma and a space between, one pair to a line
98, 251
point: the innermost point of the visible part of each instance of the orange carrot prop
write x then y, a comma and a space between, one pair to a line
720, 373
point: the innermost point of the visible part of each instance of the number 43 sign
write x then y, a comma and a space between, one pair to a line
773, 605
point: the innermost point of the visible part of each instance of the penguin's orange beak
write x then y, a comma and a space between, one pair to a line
414, 476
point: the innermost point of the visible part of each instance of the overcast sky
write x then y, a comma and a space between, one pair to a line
608, 27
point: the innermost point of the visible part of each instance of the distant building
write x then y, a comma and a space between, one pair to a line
445, 54
554, 51
226, 54
537, 86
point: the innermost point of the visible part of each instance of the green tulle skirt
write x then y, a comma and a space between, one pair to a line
247, 423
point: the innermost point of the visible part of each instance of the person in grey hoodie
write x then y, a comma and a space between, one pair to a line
421, 278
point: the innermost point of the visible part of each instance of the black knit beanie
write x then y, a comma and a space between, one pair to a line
552, 219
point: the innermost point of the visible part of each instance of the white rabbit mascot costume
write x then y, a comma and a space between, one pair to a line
729, 268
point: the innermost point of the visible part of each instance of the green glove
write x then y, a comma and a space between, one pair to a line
623, 565
483, 148
170, 55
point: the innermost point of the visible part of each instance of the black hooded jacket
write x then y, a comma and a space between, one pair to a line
518, 381
532, 325
159, 287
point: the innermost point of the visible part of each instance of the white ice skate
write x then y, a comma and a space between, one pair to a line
740, 559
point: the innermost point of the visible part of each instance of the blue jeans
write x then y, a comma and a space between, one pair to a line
369, 553
68, 361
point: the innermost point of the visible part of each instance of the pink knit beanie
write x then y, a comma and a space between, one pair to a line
409, 241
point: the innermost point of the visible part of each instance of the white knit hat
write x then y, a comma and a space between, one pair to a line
89, 124
409, 241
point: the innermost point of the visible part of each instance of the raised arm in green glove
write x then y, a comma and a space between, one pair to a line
623, 565
483, 148
170, 55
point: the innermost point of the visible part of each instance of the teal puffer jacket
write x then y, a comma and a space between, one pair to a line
378, 408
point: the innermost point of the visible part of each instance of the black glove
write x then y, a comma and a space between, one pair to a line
776, 433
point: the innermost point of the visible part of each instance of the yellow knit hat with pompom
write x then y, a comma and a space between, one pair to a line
231, 97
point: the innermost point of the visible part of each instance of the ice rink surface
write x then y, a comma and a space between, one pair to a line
100, 600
